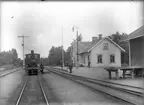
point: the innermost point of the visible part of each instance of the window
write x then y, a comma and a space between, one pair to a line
105, 46
99, 58
112, 58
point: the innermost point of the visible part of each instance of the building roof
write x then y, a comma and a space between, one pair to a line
81, 45
91, 45
135, 34
88, 46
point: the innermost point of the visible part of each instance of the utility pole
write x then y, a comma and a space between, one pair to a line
74, 27
0, 40
62, 49
0, 43
23, 48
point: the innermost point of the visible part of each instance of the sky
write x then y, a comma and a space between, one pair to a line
46, 22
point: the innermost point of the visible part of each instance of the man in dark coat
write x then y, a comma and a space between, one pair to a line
89, 64
70, 66
42, 68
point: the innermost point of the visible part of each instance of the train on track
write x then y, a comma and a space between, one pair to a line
32, 63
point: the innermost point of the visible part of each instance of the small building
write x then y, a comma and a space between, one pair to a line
101, 52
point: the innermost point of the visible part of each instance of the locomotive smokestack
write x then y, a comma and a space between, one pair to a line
32, 51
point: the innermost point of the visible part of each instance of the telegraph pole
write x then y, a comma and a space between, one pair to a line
0, 43
23, 47
74, 27
62, 49
77, 51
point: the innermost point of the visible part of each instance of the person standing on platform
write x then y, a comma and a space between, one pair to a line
70, 66
89, 64
42, 68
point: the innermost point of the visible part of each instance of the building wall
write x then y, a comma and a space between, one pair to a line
112, 49
137, 49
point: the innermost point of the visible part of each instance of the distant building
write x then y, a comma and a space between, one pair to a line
136, 47
101, 52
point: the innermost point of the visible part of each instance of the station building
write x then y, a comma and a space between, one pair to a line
100, 52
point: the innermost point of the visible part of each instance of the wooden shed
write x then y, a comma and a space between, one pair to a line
136, 47
136, 50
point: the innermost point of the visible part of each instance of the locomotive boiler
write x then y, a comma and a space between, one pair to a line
32, 63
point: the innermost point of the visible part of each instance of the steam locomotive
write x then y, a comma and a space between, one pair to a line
32, 63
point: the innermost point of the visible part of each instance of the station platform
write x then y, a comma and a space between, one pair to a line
102, 74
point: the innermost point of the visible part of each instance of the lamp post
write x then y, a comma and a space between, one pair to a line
74, 27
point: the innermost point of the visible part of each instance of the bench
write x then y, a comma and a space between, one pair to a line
112, 69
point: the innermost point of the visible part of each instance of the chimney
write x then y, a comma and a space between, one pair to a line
100, 36
94, 39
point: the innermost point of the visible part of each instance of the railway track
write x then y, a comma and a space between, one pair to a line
21, 96
43, 91
2, 74
122, 92
137, 90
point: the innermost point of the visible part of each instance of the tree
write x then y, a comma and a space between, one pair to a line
68, 55
18, 62
117, 37
9, 57
14, 56
55, 55
50, 56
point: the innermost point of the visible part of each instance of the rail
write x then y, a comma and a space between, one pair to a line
43, 91
23, 90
